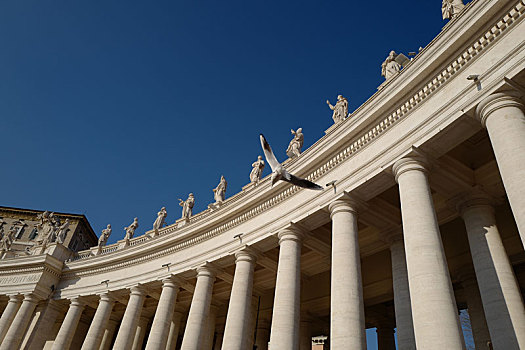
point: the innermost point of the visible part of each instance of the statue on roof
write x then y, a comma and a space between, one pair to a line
340, 109
160, 221
219, 192
256, 173
187, 206
7, 241
294, 148
62, 231
130, 230
390, 66
451, 8
103, 239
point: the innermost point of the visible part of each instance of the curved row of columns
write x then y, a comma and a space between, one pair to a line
426, 310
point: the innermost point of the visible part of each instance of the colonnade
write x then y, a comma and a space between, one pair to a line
426, 313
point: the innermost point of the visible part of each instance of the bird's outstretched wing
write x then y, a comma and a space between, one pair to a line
297, 181
270, 157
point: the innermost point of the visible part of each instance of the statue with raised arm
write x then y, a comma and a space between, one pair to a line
219, 192
390, 67
130, 230
256, 173
187, 206
294, 148
160, 221
104, 236
7, 241
340, 109
62, 231
451, 8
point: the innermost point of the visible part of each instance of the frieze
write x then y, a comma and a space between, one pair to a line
398, 113
20, 279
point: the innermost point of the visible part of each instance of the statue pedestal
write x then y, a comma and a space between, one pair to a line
215, 206
59, 251
182, 222
249, 186
123, 243
329, 130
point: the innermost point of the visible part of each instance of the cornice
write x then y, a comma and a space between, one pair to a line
228, 215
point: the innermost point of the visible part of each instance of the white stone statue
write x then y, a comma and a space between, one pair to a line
62, 231
104, 236
7, 241
256, 173
187, 206
130, 230
340, 109
451, 8
390, 67
160, 221
294, 148
45, 226
219, 192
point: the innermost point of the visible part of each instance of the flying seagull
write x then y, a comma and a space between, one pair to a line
280, 173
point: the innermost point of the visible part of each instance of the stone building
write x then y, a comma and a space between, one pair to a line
23, 226
426, 217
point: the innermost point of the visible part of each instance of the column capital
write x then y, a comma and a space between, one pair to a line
246, 254
206, 269
171, 281
15, 298
137, 290
105, 296
392, 236
345, 203
76, 301
410, 163
473, 200
291, 233
510, 98
30, 297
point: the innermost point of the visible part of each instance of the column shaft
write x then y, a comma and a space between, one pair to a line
9, 314
140, 333
209, 335
15, 333
502, 301
480, 330
109, 334
403, 311
130, 320
434, 310
347, 313
199, 310
43, 330
69, 325
158, 337
237, 330
286, 306
99, 323
502, 115
174, 331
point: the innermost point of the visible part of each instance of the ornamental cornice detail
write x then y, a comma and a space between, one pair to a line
513, 15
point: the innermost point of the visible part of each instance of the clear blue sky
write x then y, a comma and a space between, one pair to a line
113, 109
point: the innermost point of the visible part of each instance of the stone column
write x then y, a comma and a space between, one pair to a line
236, 330
140, 333
286, 305
99, 323
263, 335
43, 330
158, 336
347, 313
480, 330
174, 331
69, 325
9, 314
15, 333
209, 335
499, 290
305, 333
199, 309
130, 320
431, 293
502, 115
385, 337
403, 311
109, 333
